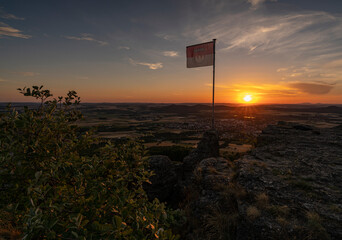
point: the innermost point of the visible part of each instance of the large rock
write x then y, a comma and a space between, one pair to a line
164, 181
207, 147
294, 182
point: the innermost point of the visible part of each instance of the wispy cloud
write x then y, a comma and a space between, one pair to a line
124, 48
330, 72
255, 3
170, 54
152, 66
310, 40
167, 37
5, 15
304, 34
8, 31
28, 74
87, 37
335, 64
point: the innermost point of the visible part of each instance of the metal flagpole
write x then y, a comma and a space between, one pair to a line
213, 113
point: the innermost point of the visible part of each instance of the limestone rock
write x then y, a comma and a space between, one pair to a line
299, 169
207, 147
164, 181
211, 200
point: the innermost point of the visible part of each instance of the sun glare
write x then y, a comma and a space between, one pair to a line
247, 98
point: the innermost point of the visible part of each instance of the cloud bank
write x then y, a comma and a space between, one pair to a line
312, 88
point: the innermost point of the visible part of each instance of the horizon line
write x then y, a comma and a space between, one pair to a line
246, 104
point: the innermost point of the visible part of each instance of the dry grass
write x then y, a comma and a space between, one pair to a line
198, 174
277, 210
258, 163
312, 216
262, 200
238, 191
315, 228
221, 225
212, 170
335, 208
282, 221
253, 212
231, 189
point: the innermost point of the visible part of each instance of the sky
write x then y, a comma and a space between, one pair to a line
277, 51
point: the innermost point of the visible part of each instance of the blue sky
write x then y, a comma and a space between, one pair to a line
283, 51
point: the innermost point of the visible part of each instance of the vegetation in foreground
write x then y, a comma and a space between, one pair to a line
54, 186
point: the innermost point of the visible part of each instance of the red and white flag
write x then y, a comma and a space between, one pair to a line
200, 55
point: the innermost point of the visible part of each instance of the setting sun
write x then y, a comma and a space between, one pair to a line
247, 98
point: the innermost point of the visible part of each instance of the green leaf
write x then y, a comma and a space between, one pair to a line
74, 234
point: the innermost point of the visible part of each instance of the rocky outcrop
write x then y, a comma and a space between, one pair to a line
207, 147
164, 182
293, 180
170, 180
212, 205
288, 187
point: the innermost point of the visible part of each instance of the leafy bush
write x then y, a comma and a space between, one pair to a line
55, 190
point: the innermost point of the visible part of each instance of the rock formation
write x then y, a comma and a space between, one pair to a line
207, 147
164, 181
296, 171
288, 187
212, 205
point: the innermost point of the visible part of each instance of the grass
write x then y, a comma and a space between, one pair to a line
221, 225
262, 200
278, 210
301, 184
335, 208
198, 174
252, 213
315, 228
282, 221
212, 170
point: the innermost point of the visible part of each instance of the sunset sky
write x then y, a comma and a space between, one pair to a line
277, 51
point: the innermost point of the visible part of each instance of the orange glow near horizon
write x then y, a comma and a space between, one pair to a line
280, 93
247, 98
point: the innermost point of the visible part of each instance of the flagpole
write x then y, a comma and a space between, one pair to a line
213, 112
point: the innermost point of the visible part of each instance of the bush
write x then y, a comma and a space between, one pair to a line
54, 190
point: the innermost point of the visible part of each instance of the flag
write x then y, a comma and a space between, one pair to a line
200, 55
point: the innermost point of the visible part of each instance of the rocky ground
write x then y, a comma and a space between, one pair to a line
299, 169
288, 187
